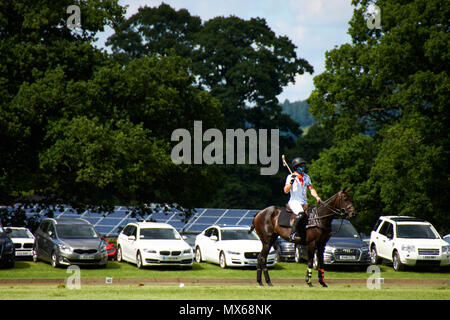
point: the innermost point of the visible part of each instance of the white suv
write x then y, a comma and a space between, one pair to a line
407, 241
151, 243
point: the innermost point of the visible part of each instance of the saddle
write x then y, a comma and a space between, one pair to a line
286, 217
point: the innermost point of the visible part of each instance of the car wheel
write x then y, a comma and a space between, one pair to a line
139, 260
374, 259
198, 255
315, 261
222, 260
55, 258
119, 254
297, 255
35, 255
277, 256
397, 264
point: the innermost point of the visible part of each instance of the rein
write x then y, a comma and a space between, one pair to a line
335, 212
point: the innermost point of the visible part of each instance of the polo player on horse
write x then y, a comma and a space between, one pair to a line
296, 184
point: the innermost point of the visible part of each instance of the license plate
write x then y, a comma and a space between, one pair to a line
86, 257
347, 257
430, 257
169, 258
24, 253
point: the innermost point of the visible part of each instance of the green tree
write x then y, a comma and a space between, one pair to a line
80, 129
34, 39
392, 84
241, 62
156, 30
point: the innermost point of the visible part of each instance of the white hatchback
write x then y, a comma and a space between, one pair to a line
151, 243
230, 247
407, 241
23, 241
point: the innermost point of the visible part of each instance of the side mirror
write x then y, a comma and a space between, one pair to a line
50, 233
131, 238
213, 238
184, 237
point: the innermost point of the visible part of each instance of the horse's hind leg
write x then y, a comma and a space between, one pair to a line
262, 261
262, 266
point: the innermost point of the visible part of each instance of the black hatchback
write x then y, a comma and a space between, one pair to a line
7, 250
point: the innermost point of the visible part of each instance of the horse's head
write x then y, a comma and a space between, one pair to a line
344, 203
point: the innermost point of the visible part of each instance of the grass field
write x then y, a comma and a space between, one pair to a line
223, 292
284, 270
191, 291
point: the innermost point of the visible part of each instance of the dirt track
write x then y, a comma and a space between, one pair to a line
215, 281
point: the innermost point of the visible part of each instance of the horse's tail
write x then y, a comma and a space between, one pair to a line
252, 227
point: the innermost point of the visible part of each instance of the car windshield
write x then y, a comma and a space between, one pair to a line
78, 231
238, 234
421, 231
345, 231
20, 233
159, 234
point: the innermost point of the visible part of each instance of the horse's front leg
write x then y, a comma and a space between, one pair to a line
320, 269
311, 249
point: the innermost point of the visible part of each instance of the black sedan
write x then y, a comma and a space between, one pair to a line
285, 251
345, 248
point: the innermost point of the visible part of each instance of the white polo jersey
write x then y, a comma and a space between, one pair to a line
298, 192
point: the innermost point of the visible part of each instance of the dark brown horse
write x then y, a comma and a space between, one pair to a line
266, 226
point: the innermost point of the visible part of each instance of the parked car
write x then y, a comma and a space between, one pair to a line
152, 243
23, 241
7, 250
230, 247
407, 241
446, 238
110, 249
344, 248
190, 238
69, 241
284, 250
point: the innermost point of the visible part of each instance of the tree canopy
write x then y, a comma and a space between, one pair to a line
388, 88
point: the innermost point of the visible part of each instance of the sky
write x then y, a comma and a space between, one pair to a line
314, 26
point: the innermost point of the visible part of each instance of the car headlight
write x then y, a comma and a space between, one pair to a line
408, 247
102, 249
233, 252
272, 251
187, 251
150, 250
329, 249
445, 249
65, 249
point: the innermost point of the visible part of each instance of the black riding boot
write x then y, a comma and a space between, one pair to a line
295, 226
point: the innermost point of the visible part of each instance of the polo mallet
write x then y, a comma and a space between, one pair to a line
285, 163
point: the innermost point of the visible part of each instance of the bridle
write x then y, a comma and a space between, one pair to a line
339, 212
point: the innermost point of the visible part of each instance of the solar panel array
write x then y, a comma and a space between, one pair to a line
111, 224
